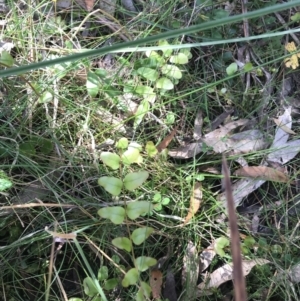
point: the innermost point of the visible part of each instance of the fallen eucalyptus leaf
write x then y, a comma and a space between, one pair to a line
262, 172
225, 273
198, 123
164, 144
187, 151
207, 256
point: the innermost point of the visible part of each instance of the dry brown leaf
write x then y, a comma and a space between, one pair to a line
156, 280
263, 172
89, 4
225, 273
207, 256
283, 126
186, 151
164, 144
195, 202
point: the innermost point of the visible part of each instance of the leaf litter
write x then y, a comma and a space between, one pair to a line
281, 152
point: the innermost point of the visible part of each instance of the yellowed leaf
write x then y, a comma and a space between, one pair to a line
263, 172
284, 127
195, 202
156, 280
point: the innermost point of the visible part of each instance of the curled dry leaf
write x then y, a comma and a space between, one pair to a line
164, 144
293, 274
283, 127
195, 202
186, 151
207, 256
156, 280
225, 273
262, 172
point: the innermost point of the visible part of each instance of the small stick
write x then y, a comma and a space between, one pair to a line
239, 280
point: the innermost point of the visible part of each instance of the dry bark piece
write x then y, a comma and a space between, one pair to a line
262, 172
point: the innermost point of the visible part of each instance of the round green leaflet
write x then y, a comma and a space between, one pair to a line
135, 179
111, 284
164, 83
111, 185
131, 277
135, 209
144, 292
115, 214
179, 59
122, 243
171, 71
89, 287
130, 156
220, 244
92, 84
232, 68
143, 263
5, 184
122, 143
103, 273
111, 160
151, 149
148, 73
139, 235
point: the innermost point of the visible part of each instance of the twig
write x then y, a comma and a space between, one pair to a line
239, 280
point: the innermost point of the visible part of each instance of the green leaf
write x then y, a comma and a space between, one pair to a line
122, 243
138, 208
165, 201
139, 235
232, 68
122, 143
75, 299
130, 156
142, 109
179, 59
157, 197
111, 284
296, 17
187, 52
92, 84
147, 93
111, 184
249, 241
220, 244
164, 83
151, 149
171, 71
166, 52
135, 179
103, 273
110, 159
115, 214
148, 73
158, 207
27, 148
5, 184
143, 263
89, 287
6, 59
248, 67
131, 277
46, 97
